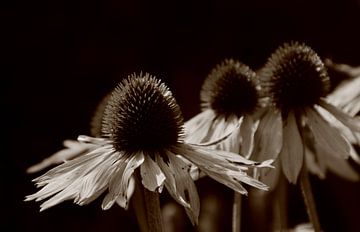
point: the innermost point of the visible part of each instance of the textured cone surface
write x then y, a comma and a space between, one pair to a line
142, 115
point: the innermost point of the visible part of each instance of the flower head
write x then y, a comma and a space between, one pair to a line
296, 127
230, 95
141, 131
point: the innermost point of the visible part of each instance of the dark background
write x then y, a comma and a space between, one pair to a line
61, 57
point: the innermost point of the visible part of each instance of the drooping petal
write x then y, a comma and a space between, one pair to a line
73, 149
347, 120
118, 187
84, 163
95, 182
215, 163
292, 152
57, 180
199, 127
185, 186
268, 137
247, 130
327, 138
151, 175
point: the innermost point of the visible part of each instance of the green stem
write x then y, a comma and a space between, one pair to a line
236, 217
309, 199
147, 208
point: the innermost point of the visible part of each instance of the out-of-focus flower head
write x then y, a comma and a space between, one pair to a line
230, 98
295, 130
142, 131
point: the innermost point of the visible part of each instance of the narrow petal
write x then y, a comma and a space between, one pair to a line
268, 137
151, 175
73, 150
185, 187
247, 130
118, 187
347, 120
292, 152
216, 166
327, 138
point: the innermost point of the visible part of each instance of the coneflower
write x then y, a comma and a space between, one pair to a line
231, 101
295, 129
142, 136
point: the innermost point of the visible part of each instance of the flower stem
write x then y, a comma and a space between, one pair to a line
309, 199
236, 217
147, 208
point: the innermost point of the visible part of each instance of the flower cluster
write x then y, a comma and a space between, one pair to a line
285, 112
142, 130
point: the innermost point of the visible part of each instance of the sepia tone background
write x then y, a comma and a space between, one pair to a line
64, 56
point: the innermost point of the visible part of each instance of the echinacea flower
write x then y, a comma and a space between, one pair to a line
73, 148
230, 96
296, 128
142, 132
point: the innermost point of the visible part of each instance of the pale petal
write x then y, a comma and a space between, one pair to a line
170, 182
95, 182
118, 186
352, 123
201, 156
198, 127
247, 130
326, 137
74, 150
129, 193
93, 140
84, 163
179, 184
214, 164
268, 137
151, 175
292, 152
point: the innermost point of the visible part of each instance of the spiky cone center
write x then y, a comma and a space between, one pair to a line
294, 77
142, 115
231, 89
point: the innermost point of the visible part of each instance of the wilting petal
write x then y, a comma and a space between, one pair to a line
68, 193
215, 163
353, 106
292, 152
81, 164
129, 193
118, 187
73, 150
247, 130
184, 188
198, 127
151, 175
327, 138
268, 137
347, 120
95, 182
